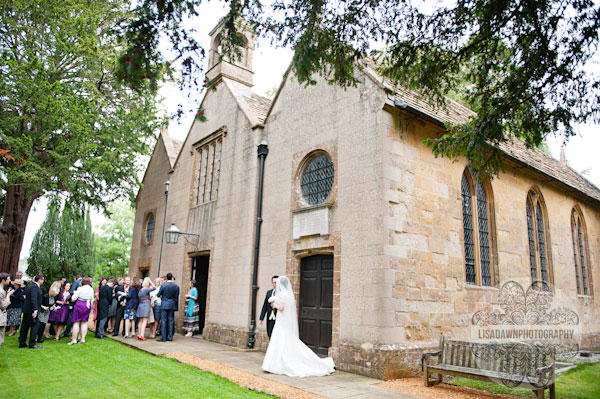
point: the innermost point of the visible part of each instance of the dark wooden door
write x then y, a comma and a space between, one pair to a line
200, 274
316, 302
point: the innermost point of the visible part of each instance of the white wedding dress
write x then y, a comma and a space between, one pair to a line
286, 353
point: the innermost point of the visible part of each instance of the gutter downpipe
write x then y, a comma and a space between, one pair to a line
162, 237
263, 151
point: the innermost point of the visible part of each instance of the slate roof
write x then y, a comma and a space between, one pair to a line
514, 149
259, 106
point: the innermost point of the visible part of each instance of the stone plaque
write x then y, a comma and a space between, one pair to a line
311, 222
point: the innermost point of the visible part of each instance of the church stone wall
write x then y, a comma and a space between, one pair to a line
424, 250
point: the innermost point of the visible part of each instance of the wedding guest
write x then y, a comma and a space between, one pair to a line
268, 309
144, 308
74, 286
19, 276
48, 300
131, 305
5, 294
112, 309
60, 314
191, 320
83, 298
96, 297
169, 294
31, 309
13, 313
155, 304
104, 300
120, 294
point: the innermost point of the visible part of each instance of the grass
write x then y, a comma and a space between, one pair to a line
104, 369
582, 382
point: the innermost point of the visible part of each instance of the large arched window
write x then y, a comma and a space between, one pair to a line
537, 233
478, 231
579, 237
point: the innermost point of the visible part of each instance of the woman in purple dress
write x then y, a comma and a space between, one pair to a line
83, 298
60, 314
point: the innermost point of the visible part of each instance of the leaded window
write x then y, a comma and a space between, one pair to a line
476, 231
207, 171
579, 252
149, 228
317, 179
538, 242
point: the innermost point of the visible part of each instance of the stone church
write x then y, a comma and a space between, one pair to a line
387, 246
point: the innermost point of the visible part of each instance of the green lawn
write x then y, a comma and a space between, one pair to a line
582, 382
104, 369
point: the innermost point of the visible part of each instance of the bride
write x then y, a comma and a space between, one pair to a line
286, 354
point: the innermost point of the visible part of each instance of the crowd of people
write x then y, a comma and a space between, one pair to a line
127, 304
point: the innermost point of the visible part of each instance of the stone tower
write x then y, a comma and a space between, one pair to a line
239, 70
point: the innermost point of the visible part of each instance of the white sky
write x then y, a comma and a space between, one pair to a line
269, 66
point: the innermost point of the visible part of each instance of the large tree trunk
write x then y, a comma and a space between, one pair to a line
17, 204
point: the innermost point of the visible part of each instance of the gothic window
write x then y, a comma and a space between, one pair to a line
317, 179
579, 252
477, 231
207, 170
149, 228
538, 242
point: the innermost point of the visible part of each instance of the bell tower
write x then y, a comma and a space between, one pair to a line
240, 69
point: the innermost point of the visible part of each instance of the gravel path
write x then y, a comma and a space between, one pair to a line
414, 386
243, 378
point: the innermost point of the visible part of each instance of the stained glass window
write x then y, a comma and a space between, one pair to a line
150, 228
476, 230
317, 180
579, 252
538, 245
468, 230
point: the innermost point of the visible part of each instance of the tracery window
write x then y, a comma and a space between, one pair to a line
538, 242
317, 179
579, 237
149, 228
478, 232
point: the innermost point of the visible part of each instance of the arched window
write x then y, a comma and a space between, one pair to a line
579, 237
538, 241
477, 229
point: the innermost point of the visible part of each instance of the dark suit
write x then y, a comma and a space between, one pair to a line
104, 300
266, 311
120, 309
169, 294
33, 302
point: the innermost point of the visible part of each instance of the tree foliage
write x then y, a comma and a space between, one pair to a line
68, 124
519, 64
113, 243
64, 244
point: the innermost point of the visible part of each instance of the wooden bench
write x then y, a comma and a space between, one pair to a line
512, 364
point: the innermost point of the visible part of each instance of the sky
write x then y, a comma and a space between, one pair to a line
582, 151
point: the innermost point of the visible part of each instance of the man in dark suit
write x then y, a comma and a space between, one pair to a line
169, 294
31, 308
268, 309
105, 296
120, 294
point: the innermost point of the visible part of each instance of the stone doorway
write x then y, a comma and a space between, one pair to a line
316, 302
200, 275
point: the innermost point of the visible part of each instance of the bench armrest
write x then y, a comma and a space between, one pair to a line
546, 372
425, 357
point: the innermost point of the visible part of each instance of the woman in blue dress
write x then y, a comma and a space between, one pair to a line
191, 321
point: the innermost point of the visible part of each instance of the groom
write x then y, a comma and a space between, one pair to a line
267, 308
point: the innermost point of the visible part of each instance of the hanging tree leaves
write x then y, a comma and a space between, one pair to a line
68, 124
521, 65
